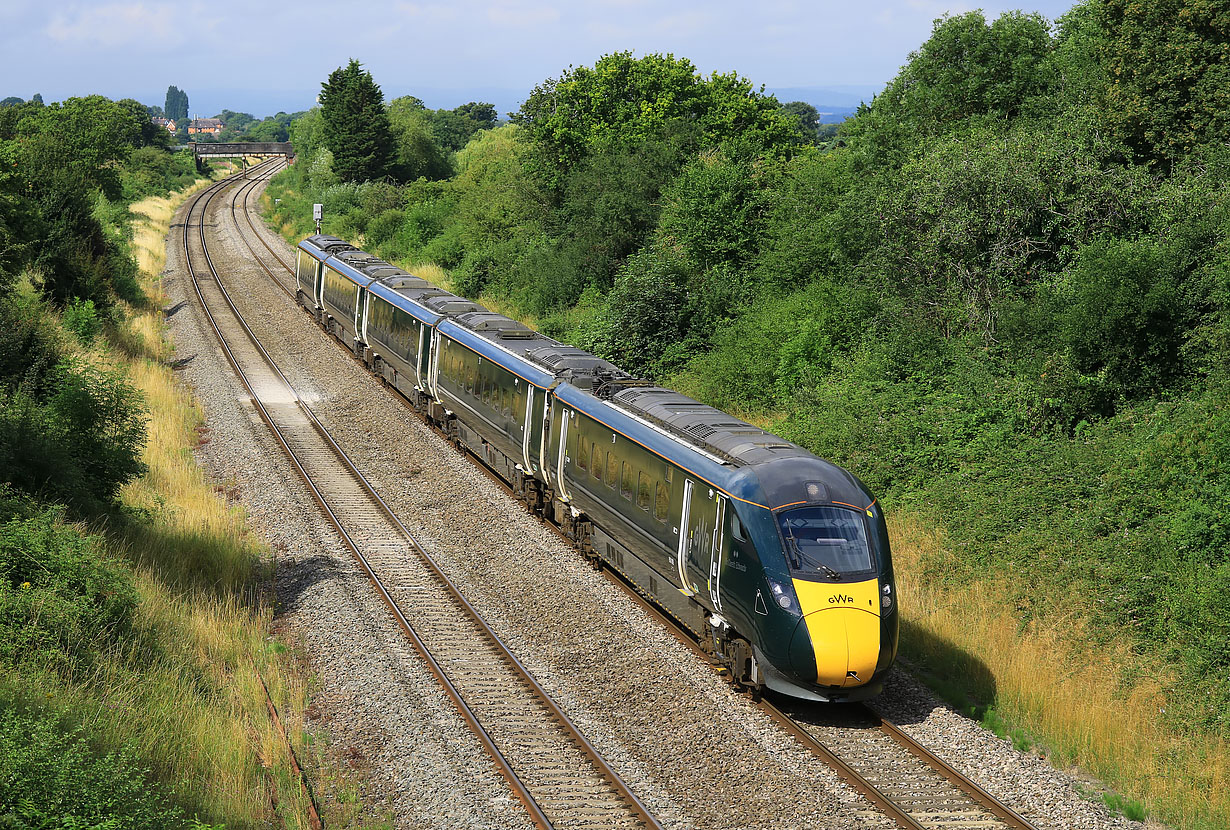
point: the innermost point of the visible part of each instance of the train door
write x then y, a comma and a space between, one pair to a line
421, 364
532, 433
433, 367
564, 451
699, 554
717, 550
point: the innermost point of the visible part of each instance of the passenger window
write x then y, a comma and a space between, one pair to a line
642, 491
625, 482
661, 503
595, 463
583, 454
612, 469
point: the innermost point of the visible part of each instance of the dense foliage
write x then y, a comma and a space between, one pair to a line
51, 776
71, 431
355, 124
1001, 297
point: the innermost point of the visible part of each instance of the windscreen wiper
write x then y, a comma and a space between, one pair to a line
796, 560
829, 571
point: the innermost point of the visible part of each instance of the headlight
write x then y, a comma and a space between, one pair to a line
886, 598
780, 595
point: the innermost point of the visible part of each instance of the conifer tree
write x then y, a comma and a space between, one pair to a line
176, 106
355, 124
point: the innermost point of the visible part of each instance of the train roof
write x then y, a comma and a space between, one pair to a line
325, 245
717, 431
719, 436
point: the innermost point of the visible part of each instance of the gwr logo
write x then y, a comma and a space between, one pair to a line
838, 599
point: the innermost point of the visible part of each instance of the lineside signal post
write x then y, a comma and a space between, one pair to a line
318, 213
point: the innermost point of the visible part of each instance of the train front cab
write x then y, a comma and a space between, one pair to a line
835, 604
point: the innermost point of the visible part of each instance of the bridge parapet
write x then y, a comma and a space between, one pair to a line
238, 149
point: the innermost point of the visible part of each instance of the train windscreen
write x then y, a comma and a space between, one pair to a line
825, 541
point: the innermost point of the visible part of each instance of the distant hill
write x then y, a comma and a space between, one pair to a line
834, 103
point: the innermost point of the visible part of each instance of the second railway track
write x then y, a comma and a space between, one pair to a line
551, 767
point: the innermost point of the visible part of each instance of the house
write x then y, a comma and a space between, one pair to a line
167, 124
208, 126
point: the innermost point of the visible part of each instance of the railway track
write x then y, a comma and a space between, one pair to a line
552, 769
900, 776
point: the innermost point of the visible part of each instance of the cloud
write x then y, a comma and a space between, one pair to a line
154, 25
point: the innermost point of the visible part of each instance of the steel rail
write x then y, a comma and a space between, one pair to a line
502, 765
968, 786
574, 735
247, 214
848, 773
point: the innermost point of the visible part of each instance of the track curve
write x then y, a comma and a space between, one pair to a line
552, 768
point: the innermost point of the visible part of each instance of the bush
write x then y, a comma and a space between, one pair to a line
1124, 318
51, 777
60, 601
81, 318
77, 439
645, 324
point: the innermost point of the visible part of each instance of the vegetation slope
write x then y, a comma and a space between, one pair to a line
134, 607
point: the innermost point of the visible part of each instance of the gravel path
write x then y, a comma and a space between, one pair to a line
695, 752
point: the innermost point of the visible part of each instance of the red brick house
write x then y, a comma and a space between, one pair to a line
209, 126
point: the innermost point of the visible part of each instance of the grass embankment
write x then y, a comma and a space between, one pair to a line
1017, 636
158, 708
1055, 687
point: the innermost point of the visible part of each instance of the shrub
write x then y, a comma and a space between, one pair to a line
1124, 318
50, 777
81, 318
77, 439
60, 601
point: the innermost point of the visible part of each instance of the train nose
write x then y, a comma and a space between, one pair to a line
840, 631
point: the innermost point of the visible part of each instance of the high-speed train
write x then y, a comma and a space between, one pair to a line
778, 561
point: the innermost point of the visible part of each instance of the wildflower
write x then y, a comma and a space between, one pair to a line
25, 586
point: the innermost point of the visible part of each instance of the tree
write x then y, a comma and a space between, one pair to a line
148, 133
1169, 64
84, 137
482, 114
416, 152
626, 100
176, 105
966, 71
355, 124
808, 117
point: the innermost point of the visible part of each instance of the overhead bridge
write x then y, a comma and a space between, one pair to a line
239, 149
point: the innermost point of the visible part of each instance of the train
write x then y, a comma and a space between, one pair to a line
775, 560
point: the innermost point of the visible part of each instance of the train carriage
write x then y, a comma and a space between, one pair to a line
497, 395
777, 559
310, 267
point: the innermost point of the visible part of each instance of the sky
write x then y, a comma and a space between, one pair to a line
825, 51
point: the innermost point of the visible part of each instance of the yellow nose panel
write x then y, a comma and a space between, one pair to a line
843, 621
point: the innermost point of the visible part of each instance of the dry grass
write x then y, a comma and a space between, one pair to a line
201, 709
1100, 710
429, 271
